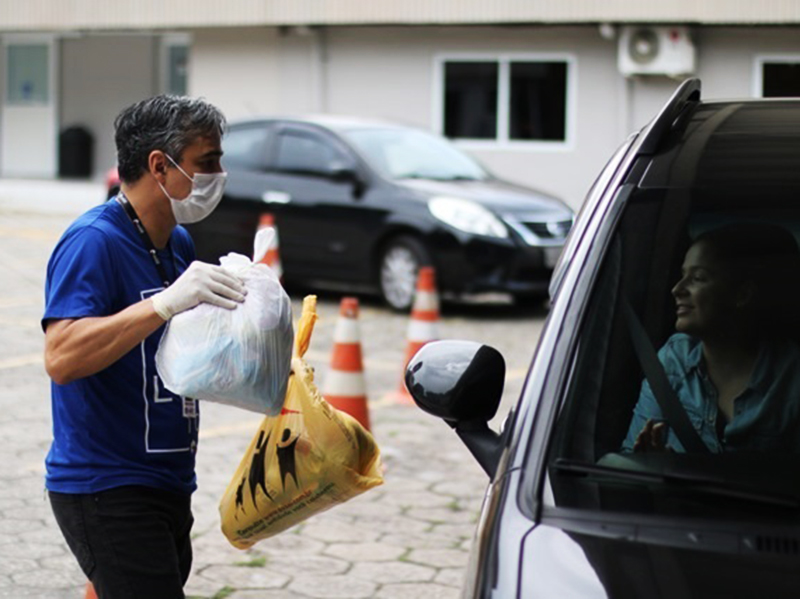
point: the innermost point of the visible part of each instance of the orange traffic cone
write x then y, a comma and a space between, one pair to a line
90, 593
344, 386
423, 326
272, 257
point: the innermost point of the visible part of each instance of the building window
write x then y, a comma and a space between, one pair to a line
780, 79
174, 60
28, 74
307, 155
246, 148
507, 99
177, 58
537, 105
470, 100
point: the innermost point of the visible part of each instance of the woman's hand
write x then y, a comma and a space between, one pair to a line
652, 438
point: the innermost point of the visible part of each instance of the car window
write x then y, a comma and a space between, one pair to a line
307, 154
709, 279
246, 148
411, 154
590, 204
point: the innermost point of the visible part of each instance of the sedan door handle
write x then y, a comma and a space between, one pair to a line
276, 197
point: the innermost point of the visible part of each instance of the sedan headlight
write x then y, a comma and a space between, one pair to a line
467, 216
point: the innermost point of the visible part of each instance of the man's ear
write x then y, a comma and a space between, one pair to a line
157, 165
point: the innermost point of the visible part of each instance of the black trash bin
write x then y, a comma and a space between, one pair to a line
75, 152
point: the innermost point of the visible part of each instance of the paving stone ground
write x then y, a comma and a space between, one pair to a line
407, 539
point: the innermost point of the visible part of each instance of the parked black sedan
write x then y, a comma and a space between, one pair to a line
361, 205
687, 245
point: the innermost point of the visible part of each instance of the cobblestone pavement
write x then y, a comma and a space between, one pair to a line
409, 538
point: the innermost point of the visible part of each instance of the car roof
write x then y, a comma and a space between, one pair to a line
728, 144
328, 121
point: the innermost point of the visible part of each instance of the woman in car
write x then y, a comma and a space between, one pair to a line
733, 362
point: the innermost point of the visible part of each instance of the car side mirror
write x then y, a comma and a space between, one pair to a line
461, 382
347, 174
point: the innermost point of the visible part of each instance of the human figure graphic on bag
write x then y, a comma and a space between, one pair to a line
258, 469
286, 457
121, 467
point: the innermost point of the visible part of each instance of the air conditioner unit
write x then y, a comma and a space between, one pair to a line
655, 51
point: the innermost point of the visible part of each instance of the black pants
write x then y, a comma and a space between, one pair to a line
131, 542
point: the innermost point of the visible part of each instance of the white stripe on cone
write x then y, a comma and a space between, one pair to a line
276, 265
344, 384
422, 330
346, 331
275, 262
277, 269
426, 300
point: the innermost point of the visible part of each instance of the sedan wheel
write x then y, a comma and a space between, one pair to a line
398, 271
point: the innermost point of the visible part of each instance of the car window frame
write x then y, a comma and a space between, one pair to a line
543, 392
314, 134
587, 211
657, 527
268, 143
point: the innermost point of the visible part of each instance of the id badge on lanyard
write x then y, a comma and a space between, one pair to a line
189, 407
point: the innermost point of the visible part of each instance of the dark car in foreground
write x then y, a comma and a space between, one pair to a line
568, 512
361, 205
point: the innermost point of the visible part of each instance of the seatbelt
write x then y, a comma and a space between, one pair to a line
665, 395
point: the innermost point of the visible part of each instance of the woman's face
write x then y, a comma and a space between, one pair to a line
705, 297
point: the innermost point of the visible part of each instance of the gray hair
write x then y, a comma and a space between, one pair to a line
166, 123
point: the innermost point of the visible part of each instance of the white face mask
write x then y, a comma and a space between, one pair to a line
207, 190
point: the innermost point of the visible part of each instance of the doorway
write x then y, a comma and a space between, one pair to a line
28, 144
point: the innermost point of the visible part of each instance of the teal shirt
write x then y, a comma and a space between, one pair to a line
766, 414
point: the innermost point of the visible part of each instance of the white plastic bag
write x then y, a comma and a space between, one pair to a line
240, 357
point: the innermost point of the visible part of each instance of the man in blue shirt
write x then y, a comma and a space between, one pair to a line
120, 471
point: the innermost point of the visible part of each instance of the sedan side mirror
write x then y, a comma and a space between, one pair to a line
461, 382
347, 174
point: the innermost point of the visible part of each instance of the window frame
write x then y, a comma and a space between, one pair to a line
168, 41
270, 133
759, 60
315, 135
53, 57
504, 60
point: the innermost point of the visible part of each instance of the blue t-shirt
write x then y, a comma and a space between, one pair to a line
119, 426
766, 414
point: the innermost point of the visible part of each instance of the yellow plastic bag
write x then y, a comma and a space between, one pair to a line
301, 462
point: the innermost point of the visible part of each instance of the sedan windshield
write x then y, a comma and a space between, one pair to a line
410, 154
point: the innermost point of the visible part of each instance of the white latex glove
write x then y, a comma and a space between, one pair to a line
199, 283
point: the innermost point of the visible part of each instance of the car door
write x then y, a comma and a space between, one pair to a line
659, 517
324, 227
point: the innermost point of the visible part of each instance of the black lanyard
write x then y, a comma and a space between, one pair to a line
148, 243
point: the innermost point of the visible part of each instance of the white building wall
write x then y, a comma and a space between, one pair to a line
238, 70
383, 73
301, 81
2, 89
645, 96
389, 73
101, 75
727, 57
726, 65
58, 15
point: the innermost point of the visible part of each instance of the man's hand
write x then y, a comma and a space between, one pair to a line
76, 348
200, 283
652, 438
